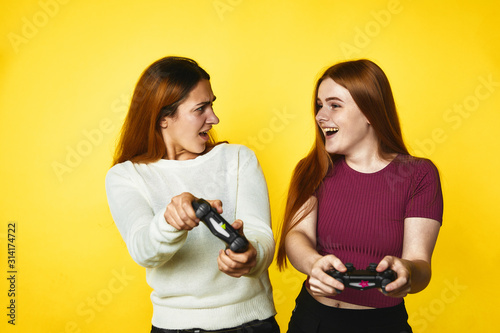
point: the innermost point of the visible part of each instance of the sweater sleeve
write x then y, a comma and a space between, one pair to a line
150, 240
252, 207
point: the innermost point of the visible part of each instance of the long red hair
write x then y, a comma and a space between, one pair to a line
158, 93
370, 89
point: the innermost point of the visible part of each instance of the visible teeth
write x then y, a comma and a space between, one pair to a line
331, 129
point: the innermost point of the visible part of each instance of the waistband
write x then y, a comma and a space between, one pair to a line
266, 324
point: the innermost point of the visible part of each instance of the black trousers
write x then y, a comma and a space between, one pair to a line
310, 316
257, 326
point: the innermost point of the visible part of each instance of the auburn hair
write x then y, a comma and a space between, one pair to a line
371, 91
160, 89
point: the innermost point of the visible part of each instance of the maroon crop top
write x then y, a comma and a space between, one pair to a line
361, 216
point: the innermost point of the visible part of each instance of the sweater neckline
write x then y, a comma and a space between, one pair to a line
194, 161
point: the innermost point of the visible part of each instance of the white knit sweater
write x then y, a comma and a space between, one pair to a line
181, 266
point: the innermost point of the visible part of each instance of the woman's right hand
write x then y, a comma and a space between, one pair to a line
180, 213
322, 284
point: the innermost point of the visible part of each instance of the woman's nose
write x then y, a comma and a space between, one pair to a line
320, 116
212, 118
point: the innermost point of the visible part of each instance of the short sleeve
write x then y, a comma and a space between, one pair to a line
425, 197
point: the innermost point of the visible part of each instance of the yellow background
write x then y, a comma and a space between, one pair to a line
67, 71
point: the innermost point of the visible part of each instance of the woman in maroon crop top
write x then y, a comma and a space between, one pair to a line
359, 197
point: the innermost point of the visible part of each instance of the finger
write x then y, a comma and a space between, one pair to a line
318, 291
188, 213
399, 283
245, 258
329, 262
320, 288
333, 285
182, 221
399, 287
169, 218
217, 204
385, 263
181, 210
224, 260
178, 200
339, 265
183, 203
229, 267
238, 225
172, 223
397, 293
223, 267
238, 261
323, 282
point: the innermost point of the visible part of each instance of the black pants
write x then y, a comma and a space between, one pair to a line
310, 316
257, 326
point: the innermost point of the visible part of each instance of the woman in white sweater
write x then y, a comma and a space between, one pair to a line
165, 159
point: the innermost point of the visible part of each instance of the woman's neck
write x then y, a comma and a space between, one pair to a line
369, 162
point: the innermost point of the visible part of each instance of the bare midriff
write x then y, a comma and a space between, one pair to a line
338, 304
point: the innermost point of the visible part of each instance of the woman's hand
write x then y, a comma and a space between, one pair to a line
322, 284
403, 268
414, 267
180, 213
237, 264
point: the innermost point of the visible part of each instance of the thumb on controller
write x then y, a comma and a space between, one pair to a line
238, 225
217, 204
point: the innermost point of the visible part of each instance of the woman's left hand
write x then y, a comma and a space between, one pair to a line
237, 264
402, 285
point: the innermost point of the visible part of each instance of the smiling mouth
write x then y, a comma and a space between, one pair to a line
329, 131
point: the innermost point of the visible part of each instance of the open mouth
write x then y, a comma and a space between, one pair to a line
329, 131
204, 135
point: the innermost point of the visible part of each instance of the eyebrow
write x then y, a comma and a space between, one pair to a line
206, 102
333, 99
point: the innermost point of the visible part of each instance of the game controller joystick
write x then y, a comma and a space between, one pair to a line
363, 279
219, 227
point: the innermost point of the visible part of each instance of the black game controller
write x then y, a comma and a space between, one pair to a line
219, 227
363, 279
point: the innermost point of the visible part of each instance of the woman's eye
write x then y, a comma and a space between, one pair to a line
204, 107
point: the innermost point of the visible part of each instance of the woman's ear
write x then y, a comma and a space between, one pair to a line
164, 122
367, 121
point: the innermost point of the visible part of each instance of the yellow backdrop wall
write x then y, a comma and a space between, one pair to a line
67, 71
